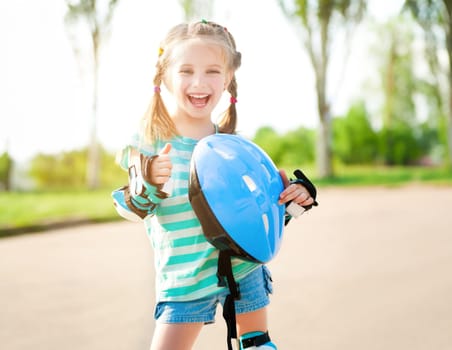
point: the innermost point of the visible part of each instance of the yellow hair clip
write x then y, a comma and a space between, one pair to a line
161, 51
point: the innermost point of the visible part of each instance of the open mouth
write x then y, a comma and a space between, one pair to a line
199, 101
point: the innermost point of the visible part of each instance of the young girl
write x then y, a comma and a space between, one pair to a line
196, 63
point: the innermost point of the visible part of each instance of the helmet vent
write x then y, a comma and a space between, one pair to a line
265, 221
249, 183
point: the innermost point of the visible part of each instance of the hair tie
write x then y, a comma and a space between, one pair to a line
233, 100
161, 51
157, 89
204, 21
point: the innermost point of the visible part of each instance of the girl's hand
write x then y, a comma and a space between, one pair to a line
161, 166
294, 192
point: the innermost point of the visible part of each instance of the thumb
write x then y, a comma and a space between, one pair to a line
284, 178
166, 149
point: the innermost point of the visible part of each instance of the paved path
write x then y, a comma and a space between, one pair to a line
368, 269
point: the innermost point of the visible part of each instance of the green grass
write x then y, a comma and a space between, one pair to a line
27, 211
389, 176
33, 211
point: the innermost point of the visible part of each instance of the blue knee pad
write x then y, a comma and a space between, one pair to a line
256, 341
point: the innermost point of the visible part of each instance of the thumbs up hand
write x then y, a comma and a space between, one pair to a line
161, 166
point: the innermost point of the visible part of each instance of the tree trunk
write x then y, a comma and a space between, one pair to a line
449, 112
389, 95
93, 166
324, 137
324, 140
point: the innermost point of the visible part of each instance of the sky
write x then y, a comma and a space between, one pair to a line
45, 91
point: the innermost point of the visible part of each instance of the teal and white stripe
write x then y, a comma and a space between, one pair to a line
185, 262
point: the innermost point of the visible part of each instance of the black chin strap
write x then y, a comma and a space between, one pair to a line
226, 278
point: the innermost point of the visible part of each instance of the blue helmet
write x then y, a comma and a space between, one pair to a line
234, 190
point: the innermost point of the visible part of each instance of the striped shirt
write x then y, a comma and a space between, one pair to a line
185, 262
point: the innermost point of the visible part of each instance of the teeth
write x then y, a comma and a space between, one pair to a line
199, 96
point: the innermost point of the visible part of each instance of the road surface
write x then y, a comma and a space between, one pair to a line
370, 268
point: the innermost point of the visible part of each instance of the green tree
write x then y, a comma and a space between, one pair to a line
6, 164
399, 85
319, 21
67, 170
294, 148
298, 147
399, 145
435, 17
430, 144
355, 141
96, 16
403, 139
269, 140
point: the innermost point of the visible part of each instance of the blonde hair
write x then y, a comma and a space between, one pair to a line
158, 124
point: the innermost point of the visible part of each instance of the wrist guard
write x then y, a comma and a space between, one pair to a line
140, 181
302, 179
295, 210
140, 197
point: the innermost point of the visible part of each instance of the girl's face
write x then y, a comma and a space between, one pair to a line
197, 77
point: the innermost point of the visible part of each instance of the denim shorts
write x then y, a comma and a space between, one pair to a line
254, 290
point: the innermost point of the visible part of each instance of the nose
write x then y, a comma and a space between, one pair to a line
198, 80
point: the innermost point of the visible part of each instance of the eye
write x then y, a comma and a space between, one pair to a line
213, 71
185, 71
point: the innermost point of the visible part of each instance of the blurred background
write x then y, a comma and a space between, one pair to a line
353, 92
358, 94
